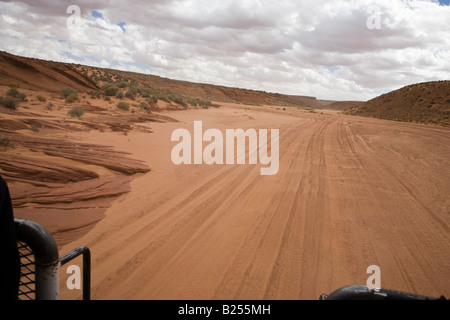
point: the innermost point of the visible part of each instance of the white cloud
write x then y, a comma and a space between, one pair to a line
282, 46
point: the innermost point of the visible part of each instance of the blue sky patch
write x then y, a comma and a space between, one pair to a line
333, 69
139, 65
71, 56
122, 26
97, 14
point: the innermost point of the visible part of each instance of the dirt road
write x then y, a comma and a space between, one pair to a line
351, 192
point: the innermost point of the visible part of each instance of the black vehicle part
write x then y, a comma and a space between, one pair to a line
357, 292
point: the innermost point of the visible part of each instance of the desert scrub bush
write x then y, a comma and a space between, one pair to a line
65, 92
76, 112
122, 84
163, 97
178, 99
9, 102
111, 90
13, 85
130, 95
134, 89
123, 106
93, 94
41, 98
14, 93
6, 143
160, 94
205, 104
144, 106
119, 95
310, 110
151, 100
72, 98
34, 128
195, 101
144, 92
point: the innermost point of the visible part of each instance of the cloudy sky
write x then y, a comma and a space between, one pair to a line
330, 49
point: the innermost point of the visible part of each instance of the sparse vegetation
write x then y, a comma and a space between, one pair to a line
14, 93
119, 95
76, 112
152, 101
144, 106
310, 110
195, 101
123, 106
41, 98
409, 105
130, 89
111, 90
130, 95
6, 143
72, 98
9, 102
135, 86
93, 94
34, 128
177, 98
65, 92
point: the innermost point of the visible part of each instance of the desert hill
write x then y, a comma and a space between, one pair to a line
36, 74
427, 102
205, 91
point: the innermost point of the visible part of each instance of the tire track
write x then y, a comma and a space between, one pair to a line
337, 205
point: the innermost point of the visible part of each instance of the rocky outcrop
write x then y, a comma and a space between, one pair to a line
91, 154
67, 185
40, 172
54, 195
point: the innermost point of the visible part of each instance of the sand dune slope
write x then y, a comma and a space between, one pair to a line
350, 193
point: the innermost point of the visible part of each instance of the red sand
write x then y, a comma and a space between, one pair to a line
351, 192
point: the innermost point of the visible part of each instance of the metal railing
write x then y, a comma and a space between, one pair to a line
86, 267
27, 272
40, 263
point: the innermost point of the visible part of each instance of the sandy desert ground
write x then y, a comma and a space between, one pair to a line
351, 192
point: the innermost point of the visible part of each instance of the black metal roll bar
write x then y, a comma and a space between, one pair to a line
86, 267
40, 262
357, 292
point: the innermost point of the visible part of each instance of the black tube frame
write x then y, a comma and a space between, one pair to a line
45, 251
86, 267
357, 292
